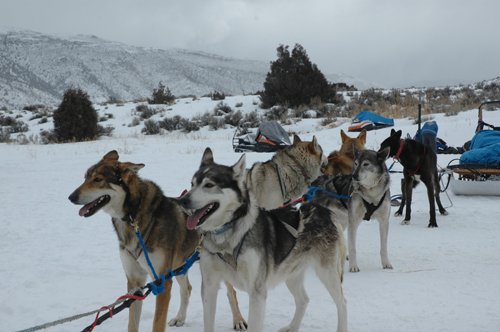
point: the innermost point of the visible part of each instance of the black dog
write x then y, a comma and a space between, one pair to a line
419, 163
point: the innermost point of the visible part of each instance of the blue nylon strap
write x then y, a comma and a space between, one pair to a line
146, 253
312, 192
158, 288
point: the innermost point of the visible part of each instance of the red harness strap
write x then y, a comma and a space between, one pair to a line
291, 203
421, 161
396, 157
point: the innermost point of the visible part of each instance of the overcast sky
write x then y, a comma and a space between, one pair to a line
392, 43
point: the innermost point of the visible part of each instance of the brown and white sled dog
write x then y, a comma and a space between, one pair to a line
115, 188
287, 175
250, 247
341, 161
368, 187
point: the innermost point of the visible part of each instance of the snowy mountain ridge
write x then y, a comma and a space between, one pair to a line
36, 68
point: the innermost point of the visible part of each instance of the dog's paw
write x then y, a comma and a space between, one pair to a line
432, 225
287, 329
444, 212
354, 269
387, 266
177, 321
405, 222
398, 214
240, 325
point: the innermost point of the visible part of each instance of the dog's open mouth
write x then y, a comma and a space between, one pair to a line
89, 209
201, 215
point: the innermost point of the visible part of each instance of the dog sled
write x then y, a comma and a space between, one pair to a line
478, 170
270, 137
367, 120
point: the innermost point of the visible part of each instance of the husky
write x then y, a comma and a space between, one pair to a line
250, 248
364, 195
341, 161
287, 175
419, 164
116, 188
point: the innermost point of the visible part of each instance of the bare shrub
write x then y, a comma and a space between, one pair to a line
135, 122
151, 127
276, 113
234, 118
171, 124
222, 108
217, 95
105, 131
4, 135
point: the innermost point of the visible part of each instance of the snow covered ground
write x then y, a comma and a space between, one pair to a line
55, 264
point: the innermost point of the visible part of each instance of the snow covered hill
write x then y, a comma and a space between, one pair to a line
36, 68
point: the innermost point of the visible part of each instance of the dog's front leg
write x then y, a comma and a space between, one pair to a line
351, 234
209, 288
257, 309
399, 212
136, 277
185, 289
161, 310
384, 234
239, 323
408, 191
134, 314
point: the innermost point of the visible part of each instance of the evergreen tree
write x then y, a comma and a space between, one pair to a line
294, 80
75, 118
162, 95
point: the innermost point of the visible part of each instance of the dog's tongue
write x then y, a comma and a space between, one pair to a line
193, 219
86, 208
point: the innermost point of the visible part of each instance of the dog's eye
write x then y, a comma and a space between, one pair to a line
365, 164
97, 180
209, 185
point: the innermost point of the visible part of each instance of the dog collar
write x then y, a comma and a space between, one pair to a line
402, 142
224, 228
302, 169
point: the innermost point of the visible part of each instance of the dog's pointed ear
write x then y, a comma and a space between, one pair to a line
383, 155
343, 136
239, 169
314, 146
208, 157
111, 155
296, 139
362, 136
128, 170
355, 150
392, 131
399, 133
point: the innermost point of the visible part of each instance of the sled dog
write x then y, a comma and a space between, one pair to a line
250, 248
368, 189
115, 188
419, 164
341, 161
287, 175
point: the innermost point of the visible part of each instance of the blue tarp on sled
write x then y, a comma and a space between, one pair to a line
484, 149
367, 120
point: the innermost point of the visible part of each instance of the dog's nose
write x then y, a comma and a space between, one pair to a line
73, 197
184, 201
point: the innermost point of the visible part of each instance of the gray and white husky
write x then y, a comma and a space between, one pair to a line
287, 175
368, 189
250, 248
